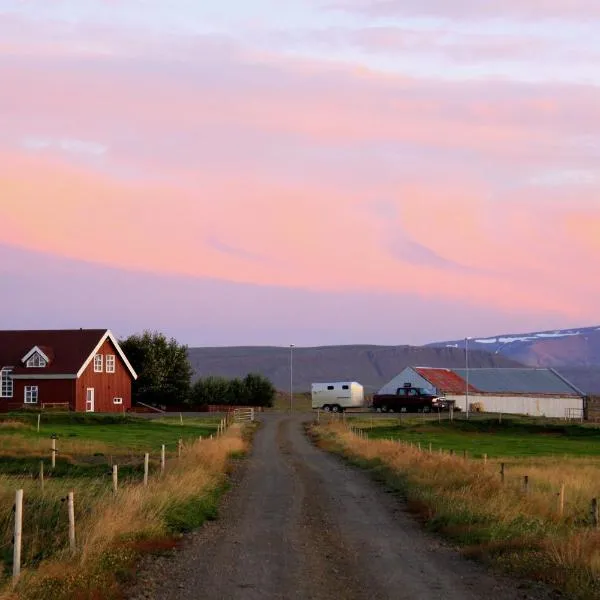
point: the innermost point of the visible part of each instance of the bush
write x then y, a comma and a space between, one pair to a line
253, 390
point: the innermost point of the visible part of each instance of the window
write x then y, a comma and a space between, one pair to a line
98, 361
6, 383
329, 387
35, 360
345, 387
31, 394
117, 400
110, 363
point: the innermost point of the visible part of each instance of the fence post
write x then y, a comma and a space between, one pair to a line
502, 472
451, 452
42, 475
53, 452
179, 444
162, 459
485, 459
526, 484
38, 423
430, 448
71, 507
561, 500
18, 535
181, 418
115, 474
146, 468
465, 454
595, 512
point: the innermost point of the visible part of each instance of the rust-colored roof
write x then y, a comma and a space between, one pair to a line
67, 349
445, 380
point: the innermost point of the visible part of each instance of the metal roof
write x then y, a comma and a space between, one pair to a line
445, 380
519, 381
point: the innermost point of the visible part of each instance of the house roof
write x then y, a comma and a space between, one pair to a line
445, 380
69, 350
519, 381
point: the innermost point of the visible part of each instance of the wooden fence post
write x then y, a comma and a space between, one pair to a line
42, 475
179, 446
115, 475
526, 484
181, 418
485, 459
502, 472
53, 452
595, 512
71, 508
146, 468
162, 459
38, 423
430, 448
465, 454
561, 500
18, 535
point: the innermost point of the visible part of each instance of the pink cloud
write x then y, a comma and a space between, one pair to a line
268, 173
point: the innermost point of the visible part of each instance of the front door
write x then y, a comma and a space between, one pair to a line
89, 400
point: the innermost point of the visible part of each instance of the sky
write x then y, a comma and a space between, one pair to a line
311, 172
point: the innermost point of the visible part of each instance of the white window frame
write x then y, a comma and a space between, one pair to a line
36, 361
98, 363
31, 392
111, 363
7, 384
117, 400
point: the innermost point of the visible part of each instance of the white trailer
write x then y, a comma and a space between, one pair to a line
337, 396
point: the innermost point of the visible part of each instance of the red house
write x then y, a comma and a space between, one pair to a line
84, 369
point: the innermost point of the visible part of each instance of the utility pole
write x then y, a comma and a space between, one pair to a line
467, 371
291, 376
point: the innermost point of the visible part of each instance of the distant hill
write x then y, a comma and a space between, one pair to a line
372, 366
574, 353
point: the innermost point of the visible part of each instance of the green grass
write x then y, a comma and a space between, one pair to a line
514, 437
122, 432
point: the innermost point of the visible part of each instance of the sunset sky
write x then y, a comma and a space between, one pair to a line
307, 171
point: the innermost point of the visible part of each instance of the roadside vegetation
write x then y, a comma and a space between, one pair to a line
112, 529
540, 528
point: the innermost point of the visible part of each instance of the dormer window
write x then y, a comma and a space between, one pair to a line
36, 361
36, 358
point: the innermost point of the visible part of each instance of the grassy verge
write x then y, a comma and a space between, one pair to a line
111, 529
522, 531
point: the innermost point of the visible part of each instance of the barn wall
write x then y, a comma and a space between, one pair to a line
107, 386
50, 391
593, 408
538, 406
409, 374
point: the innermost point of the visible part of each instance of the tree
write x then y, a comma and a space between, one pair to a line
259, 389
210, 390
164, 371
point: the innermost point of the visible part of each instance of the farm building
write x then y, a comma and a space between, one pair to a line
524, 391
80, 369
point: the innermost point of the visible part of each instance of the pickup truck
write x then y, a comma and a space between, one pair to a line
410, 399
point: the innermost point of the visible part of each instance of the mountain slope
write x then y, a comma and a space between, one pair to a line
372, 366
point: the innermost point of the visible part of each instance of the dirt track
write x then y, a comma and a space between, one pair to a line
301, 524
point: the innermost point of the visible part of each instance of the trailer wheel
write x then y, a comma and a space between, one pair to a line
326, 407
336, 408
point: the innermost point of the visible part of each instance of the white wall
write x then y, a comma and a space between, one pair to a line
536, 406
408, 375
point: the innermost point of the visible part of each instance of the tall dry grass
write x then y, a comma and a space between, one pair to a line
109, 526
521, 528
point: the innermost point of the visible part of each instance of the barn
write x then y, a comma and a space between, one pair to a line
523, 391
81, 370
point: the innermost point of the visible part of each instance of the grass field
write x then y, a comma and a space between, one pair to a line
111, 528
513, 437
525, 530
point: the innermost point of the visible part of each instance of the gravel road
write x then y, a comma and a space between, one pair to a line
300, 524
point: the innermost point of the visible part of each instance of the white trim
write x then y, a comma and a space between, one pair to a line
112, 363
32, 352
99, 363
107, 336
120, 400
35, 376
93, 399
